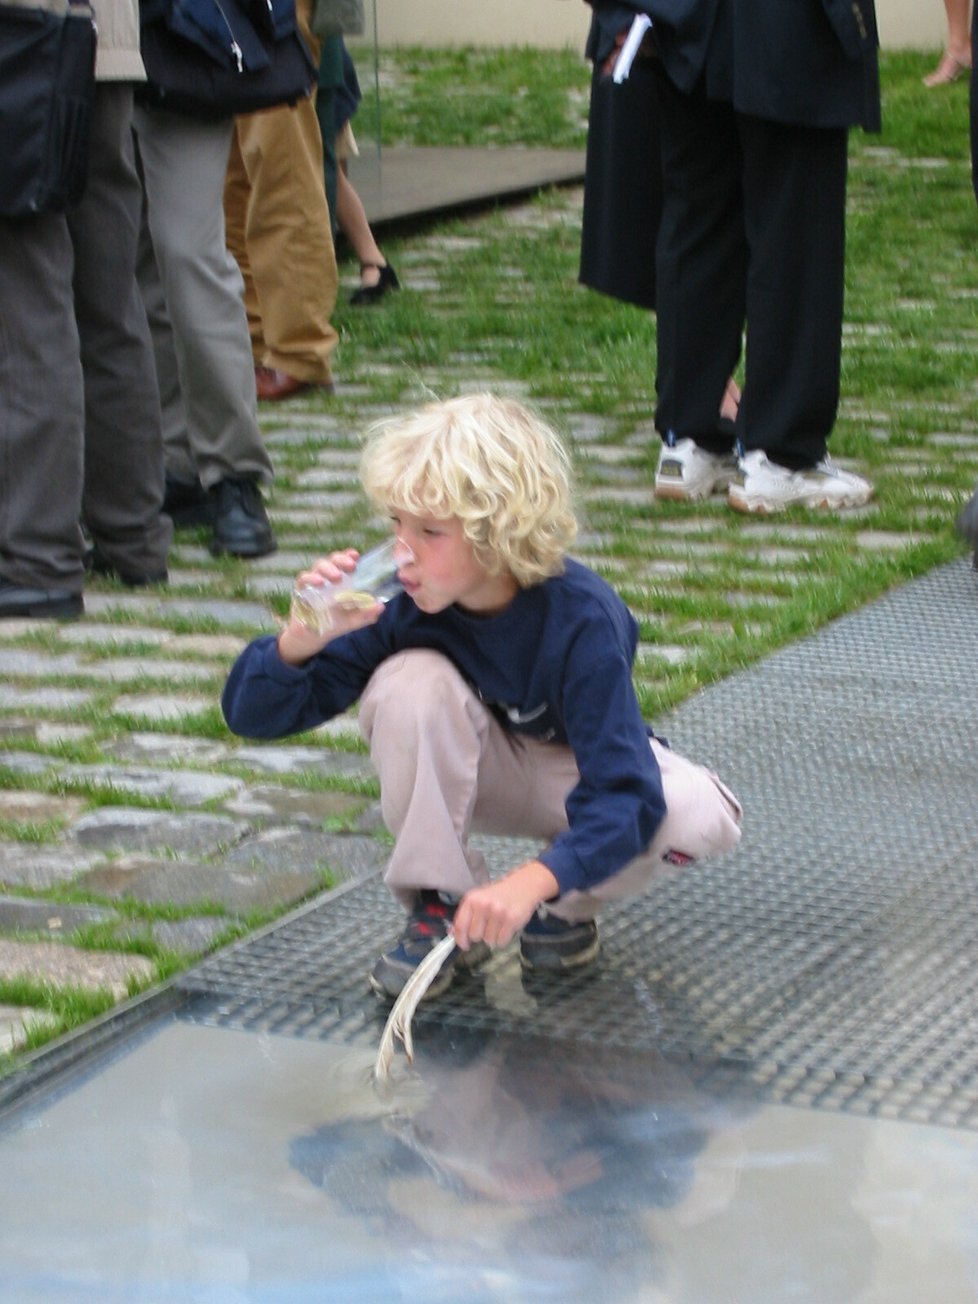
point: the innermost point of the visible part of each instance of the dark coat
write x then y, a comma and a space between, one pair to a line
806, 62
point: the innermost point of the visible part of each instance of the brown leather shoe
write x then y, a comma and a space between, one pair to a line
273, 385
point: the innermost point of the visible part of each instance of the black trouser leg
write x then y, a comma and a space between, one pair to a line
701, 262
794, 187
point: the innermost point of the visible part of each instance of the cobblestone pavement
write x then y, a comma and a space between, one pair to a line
136, 833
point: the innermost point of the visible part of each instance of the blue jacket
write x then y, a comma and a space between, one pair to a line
237, 35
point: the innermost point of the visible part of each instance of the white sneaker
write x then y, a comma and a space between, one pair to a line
686, 471
763, 486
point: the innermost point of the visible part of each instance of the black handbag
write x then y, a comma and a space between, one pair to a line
47, 86
218, 58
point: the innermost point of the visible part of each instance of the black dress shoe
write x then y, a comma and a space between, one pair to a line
98, 564
187, 502
374, 293
52, 604
241, 525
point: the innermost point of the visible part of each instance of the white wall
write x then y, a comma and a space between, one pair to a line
914, 23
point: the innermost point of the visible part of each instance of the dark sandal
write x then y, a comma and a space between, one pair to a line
374, 293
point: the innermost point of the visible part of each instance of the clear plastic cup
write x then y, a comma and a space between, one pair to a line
373, 580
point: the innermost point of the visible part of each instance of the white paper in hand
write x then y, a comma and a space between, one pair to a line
623, 64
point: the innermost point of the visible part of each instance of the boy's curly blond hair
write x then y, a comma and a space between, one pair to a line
492, 464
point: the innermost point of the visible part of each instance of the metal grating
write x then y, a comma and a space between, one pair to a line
828, 962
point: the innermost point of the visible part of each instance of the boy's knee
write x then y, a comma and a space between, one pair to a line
704, 816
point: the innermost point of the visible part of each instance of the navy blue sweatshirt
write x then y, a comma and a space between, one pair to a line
555, 665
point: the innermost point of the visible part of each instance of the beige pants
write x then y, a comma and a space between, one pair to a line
447, 768
278, 228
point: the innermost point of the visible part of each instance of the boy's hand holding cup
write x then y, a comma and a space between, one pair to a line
341, 593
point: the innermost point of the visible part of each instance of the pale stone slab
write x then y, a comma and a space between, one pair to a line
184, 787
29, 915
167, 748
17, 1021
239, 887
23, 864
150, 707
109, 635
293, 805
43, 699
122, 828
52, 962
39, 807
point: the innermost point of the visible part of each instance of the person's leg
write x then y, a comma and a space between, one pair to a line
702, 819
178, 456
123, 493
445, 765
352, 218
183, 164
41, 414
288, 234
237, 197
428, 735
956, 59
701, 265
958, 24
794, 204
289, 241
794, 199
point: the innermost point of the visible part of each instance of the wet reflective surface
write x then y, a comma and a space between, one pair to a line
207, 1164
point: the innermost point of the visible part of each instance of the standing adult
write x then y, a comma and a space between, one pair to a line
756, 99
80, 438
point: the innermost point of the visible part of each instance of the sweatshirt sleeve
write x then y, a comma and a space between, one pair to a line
266, 698
615, 809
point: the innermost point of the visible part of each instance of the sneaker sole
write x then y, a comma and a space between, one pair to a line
559, 963
768, 506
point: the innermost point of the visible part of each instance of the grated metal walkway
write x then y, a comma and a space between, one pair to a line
828, 962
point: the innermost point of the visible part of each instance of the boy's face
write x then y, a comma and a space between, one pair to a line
444, 569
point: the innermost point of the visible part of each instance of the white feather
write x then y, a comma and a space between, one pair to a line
402, 1011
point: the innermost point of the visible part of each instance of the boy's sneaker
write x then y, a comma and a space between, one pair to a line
554, 944
762, 486
687, 472
430, 920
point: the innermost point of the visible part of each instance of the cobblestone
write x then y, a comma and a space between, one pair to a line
50, 962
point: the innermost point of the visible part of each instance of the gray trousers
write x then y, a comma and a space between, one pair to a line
80, 417
447, 768
194, 297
